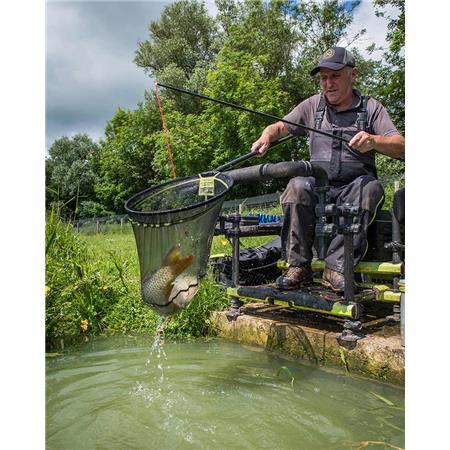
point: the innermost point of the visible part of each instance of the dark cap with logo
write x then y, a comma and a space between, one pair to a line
335, 58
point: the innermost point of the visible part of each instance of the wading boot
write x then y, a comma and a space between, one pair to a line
294, 277
333, 280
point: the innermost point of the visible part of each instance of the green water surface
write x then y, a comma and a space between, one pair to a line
128, 393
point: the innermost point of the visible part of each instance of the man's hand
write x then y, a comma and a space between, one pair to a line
393, 146
363, 142
260, 147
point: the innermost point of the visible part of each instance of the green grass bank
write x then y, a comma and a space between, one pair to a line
93, 287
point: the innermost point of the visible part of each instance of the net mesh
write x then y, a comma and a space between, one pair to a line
173, 225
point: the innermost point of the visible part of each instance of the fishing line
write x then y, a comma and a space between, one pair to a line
166, 133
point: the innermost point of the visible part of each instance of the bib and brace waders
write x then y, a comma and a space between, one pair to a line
353, 179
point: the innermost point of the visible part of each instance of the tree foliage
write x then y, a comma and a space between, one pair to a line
391, 77
390, 80
127, 154
72, 171
181, 46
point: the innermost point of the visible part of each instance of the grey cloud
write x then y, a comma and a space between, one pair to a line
90, 72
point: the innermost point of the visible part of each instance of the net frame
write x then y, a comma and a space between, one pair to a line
167, 217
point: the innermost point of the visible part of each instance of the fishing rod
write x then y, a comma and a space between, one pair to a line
259, 113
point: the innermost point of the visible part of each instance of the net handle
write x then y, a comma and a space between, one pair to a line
241, 159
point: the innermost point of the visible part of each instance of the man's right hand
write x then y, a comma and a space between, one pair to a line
260, 147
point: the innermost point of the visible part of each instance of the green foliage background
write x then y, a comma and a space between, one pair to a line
253, 53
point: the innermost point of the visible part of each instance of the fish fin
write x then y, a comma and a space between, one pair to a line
173, 256
176, 262
182, 264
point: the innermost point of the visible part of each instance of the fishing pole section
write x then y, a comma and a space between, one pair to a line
259, 113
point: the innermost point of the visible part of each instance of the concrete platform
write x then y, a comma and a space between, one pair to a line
305, 336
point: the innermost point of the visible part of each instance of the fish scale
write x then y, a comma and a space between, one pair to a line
154, 287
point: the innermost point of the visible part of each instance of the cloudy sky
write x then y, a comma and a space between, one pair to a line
90, 47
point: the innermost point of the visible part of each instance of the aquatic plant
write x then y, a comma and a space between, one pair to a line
286, 369
344, 360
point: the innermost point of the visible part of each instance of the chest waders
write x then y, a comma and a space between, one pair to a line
341, 163
345, 166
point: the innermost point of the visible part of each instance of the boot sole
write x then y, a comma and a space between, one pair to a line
302, 283
330, 286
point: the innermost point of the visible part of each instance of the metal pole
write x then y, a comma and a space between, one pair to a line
349, 288
241, 159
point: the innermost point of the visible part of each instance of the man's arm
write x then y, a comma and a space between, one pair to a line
393, 146
270, 134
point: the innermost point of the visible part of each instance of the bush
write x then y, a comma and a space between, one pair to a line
85, 295
89, 208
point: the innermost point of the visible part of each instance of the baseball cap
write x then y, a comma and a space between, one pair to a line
335, 58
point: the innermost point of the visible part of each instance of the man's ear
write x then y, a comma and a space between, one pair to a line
354, 73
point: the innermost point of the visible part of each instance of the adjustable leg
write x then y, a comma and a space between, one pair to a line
235, 308
350, 334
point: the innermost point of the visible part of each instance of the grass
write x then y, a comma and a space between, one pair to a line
93, 287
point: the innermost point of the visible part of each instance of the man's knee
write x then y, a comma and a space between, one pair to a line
372, 195
299, 190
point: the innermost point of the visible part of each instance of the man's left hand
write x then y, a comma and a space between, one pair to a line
363, 142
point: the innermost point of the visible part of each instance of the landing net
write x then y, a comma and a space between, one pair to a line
173, 225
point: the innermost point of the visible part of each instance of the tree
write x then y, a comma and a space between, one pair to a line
182, 44
127, 164
391, 77
72, 171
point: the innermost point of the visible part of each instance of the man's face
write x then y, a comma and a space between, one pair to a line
337, 84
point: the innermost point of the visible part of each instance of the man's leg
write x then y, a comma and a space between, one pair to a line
297, 234
367, 193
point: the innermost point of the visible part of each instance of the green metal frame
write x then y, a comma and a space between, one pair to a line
370, 267
339, 309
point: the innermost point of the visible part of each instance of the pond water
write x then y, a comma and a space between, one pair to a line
129, 393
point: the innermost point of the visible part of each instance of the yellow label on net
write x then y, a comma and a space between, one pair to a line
206, 186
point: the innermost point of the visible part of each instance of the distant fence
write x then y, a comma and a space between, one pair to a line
102, 224
255, 204
260, 201
120, 223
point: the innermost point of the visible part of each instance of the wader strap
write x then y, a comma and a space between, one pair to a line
361, 118
320, 112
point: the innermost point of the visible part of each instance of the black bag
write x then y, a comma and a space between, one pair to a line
257, 265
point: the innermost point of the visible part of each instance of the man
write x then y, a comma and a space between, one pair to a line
342, 111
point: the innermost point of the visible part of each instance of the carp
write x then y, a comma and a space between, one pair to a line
157, 287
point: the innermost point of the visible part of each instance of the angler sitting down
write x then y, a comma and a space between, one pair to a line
344, 112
